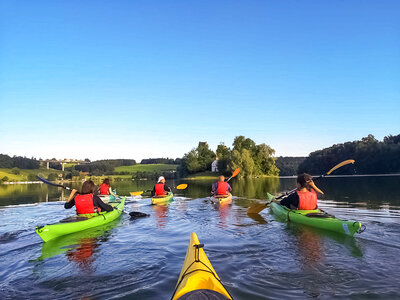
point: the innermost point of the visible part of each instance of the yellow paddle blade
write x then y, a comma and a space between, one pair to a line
343, 163
136, 193
256, 208
181, 186
235, 172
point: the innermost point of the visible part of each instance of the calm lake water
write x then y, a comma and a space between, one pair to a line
256, 258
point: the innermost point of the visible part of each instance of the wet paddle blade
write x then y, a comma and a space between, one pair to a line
235, 172
136, 193
343, 163
256, 208
181, 186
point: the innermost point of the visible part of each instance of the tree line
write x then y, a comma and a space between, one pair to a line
371, 156
253, 159
168, 161
20, 162
105, 166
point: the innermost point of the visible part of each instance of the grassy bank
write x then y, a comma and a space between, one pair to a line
24, 173
202, 176
146, 168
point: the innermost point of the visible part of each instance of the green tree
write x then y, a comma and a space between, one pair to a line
197, 160
242, 159
15, 171
224, 155
4, 179
264, 160
32, 177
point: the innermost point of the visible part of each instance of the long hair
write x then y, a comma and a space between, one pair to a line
88, 187
106, 181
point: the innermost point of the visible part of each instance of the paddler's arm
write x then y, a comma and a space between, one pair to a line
167, 189
229, 188
153, 192
110, 191
99, 203
291, 201
214, 188
71, 201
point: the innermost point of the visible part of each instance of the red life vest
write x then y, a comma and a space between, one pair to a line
104, 189
159, 188
222, 188
307, 200
84, 204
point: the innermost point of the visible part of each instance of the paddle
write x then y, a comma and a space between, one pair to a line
53, 184
179, 187
257, 207
234, 174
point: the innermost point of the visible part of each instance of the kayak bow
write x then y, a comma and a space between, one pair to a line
198, 279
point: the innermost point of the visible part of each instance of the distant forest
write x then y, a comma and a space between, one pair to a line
168, 161
288, 166
20, 162
371, 156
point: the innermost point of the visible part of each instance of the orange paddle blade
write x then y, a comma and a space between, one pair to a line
181, 186
236, 172
136, 193
256, 208
343, 163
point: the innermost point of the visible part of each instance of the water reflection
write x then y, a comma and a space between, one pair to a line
161, 214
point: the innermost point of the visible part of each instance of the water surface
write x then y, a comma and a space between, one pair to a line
256, 258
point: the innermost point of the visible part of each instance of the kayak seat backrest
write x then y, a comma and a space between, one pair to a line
73, 219
203, 295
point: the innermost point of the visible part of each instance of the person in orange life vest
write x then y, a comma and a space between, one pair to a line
221, 187
305, 198
160, 188
105, 188
85, 202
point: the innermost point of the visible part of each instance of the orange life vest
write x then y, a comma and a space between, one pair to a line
84, 204
307, 200
104, 189
159, 188
222, 188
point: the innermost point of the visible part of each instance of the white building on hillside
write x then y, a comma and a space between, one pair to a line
214, 165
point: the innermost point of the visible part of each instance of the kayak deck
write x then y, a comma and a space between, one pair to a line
222, 200
52, 231
198, 277
162, 199
316, 218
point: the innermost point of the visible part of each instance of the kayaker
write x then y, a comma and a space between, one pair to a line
305, 198
221, 187
105, 188
85, 202
160, 188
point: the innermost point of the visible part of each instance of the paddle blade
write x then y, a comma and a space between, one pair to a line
181, 186
343, 163
256, 208
235, 172
136, 193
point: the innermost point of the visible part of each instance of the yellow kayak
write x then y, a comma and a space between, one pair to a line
198, 279
162, 199
222, 199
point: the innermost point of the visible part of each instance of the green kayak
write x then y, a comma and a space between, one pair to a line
80, 223
316, 218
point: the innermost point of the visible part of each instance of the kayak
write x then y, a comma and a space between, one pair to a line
162, 199
198, 279
107, 198
316, 218
225, 199
80, 222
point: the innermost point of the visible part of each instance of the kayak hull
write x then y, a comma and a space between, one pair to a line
52, 231
197, 276
163, 199
222, 200
300, 217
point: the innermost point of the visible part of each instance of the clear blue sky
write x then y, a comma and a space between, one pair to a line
138, 79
